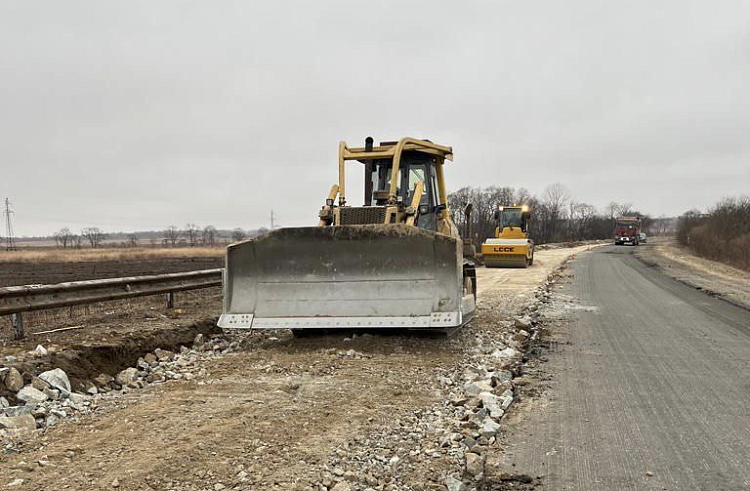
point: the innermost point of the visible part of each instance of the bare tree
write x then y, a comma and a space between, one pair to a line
208, 236
64, 238
94, 235
552, 210
192, 233
556, 196
132, 240
581, 216
614, 209
238, 234
171, 235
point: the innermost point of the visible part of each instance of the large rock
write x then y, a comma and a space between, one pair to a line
19, 410
103, 380
89, 387
342, 486
18, 425
39, 384
13, 380
493, 404
521, 336
453, 484
506, 354
476, 388
30, 395
127, 376
57, 379
489, 428
198, 341
501, 377
474, 465
4, 403
163, 355
78, 398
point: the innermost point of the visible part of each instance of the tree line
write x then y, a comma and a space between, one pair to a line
190, 236
92, 236
722, 234
193, 235
555, 216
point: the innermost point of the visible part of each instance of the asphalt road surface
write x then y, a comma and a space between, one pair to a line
652, 392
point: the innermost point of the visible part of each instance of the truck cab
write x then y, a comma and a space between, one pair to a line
627, 231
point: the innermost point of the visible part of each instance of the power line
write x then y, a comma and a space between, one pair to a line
11, 241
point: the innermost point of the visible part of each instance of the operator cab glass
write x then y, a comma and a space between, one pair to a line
512, 217
414, 167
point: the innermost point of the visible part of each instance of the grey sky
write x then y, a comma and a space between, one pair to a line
137, 115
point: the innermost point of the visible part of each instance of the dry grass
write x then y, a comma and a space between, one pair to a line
92, 255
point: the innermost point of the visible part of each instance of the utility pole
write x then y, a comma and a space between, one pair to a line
273, 222
11, 244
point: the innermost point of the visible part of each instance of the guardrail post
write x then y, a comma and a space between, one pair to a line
17, 322
170, 300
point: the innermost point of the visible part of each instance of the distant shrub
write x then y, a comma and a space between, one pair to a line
722, 234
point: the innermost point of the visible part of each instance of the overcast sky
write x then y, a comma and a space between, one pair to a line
134, 115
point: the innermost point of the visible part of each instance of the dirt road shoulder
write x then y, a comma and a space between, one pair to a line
716, 279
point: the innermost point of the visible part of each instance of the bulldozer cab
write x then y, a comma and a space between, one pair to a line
403, 183
415, 168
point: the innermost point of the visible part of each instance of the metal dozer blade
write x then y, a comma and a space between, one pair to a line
353, 277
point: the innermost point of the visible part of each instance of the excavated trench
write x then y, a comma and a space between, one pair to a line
82, 363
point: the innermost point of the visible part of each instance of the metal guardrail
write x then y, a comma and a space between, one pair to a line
14, 300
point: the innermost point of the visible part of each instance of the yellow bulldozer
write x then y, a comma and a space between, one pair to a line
396, 261
511, 247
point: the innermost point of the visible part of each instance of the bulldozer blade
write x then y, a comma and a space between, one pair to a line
361, 276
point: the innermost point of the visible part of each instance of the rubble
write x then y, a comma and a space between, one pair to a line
57, 379
476, 395
454, 484
13, 380
127, 376
474, 465
17, 426
49, 397
29, 394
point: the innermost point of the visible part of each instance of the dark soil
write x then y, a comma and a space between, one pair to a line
28, 273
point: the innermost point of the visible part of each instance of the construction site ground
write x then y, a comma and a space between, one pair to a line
277, 412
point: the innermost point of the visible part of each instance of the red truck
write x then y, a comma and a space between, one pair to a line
627, 230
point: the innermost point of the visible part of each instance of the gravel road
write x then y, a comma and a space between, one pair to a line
645, 387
